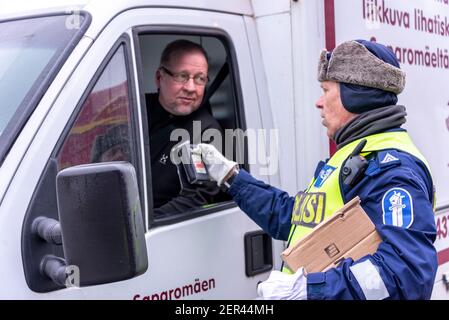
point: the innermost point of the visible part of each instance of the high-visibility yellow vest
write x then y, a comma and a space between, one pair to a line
320, 201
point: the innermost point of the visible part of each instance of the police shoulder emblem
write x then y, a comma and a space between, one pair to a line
397, 208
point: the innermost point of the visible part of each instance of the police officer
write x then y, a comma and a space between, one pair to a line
375, 160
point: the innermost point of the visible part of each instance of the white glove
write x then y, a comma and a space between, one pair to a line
217, 165
284, 286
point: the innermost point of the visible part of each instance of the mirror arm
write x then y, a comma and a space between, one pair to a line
47, 229
54, 268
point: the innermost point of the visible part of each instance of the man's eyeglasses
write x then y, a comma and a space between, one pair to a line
182, 77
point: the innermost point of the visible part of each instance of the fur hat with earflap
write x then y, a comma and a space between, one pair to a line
368, 72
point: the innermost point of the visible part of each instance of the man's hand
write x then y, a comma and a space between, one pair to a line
218, 167
283, 286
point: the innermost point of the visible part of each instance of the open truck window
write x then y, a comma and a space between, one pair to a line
220, 112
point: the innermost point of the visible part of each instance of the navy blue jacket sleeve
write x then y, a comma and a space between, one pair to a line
405, 264
268, 206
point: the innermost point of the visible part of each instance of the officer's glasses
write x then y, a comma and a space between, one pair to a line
182, 77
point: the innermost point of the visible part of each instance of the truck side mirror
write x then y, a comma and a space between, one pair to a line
101, 221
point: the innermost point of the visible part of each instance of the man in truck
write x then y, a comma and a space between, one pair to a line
375, 160
181, 81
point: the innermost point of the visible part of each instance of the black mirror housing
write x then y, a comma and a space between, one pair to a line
101, 221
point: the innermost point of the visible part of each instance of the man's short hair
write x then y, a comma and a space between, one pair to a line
183, 46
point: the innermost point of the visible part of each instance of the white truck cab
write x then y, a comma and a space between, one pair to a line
74, 72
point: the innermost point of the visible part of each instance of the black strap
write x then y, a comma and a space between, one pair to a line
218, 80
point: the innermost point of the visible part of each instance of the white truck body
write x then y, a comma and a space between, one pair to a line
274, 48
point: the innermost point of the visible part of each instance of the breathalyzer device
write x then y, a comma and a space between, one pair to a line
192, 163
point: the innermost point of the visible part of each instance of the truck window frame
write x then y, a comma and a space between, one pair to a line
30, 102
187, 30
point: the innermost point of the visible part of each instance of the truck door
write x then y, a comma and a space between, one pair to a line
208, 252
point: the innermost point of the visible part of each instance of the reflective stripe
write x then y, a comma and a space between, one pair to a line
369, 279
